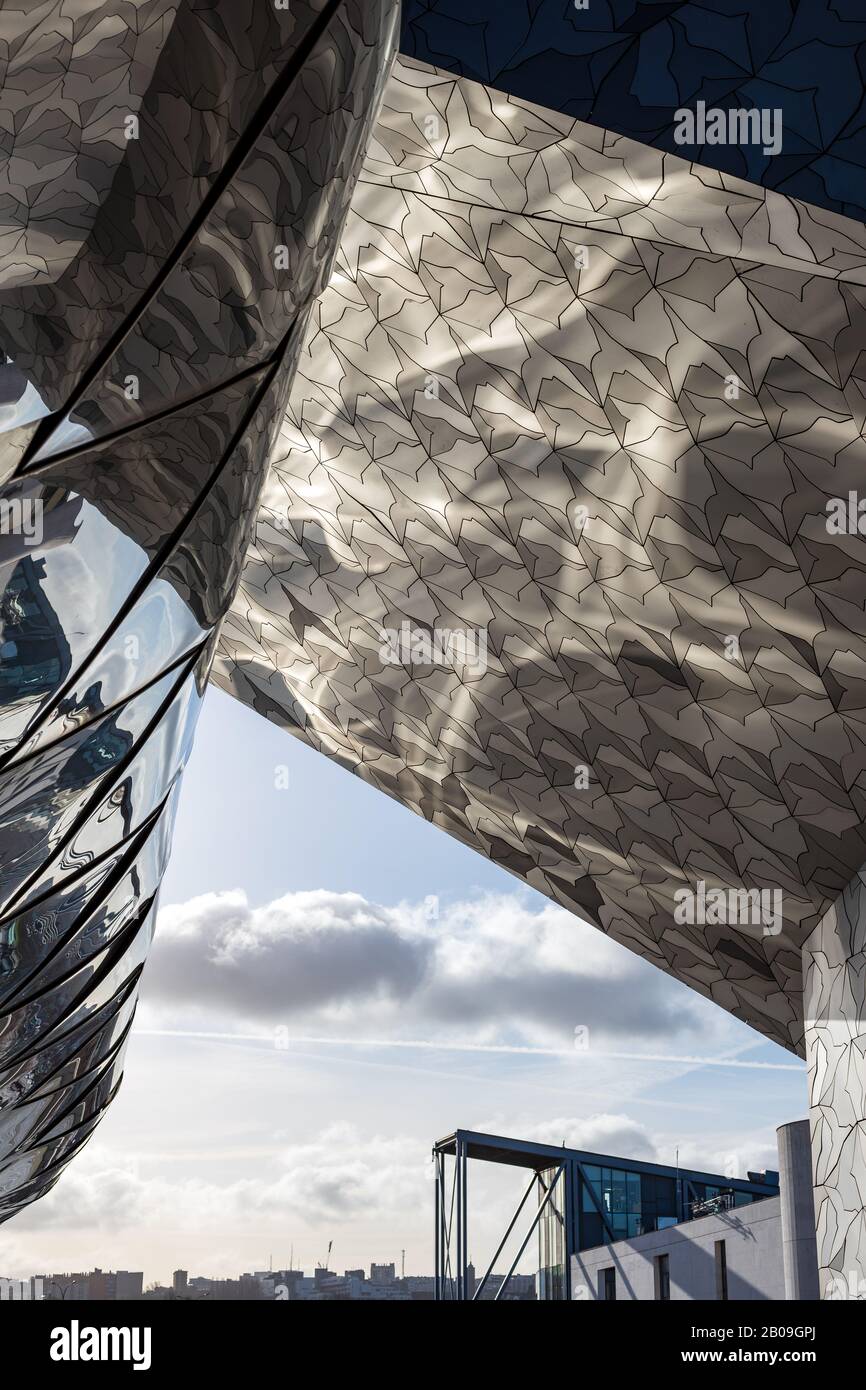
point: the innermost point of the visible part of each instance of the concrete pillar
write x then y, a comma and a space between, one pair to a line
799, 1247
834, 1012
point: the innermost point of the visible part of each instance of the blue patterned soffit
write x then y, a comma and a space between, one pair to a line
629, 66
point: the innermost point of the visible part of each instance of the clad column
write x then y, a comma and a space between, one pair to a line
834, 1010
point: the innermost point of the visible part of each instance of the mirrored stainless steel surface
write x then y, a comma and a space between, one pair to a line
153, 301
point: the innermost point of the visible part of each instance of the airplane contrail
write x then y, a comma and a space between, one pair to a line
509, 1049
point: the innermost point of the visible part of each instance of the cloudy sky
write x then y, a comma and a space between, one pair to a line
334, 985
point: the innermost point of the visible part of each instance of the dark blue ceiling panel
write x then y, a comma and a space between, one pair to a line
629, 65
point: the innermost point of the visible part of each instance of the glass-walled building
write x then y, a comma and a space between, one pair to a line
574, 1201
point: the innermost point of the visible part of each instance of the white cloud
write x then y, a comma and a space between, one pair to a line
340, 1174
618, 1135
298, 953
488, 969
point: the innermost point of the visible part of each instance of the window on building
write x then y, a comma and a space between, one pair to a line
658, 1203
721, 1271
663, 1278
607, 1282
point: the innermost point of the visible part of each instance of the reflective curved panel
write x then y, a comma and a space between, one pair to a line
147, 343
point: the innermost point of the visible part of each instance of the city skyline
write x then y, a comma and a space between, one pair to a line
383, 1281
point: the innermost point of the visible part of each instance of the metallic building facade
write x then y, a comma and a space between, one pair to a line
161, 247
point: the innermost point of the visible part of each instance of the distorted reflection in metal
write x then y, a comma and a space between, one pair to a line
146, 349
